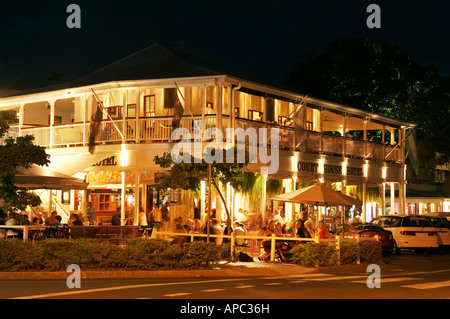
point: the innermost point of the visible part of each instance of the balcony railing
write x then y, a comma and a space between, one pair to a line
159, 129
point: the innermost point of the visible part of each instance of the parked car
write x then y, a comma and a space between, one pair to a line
385, 236
410, 231
349, 230
442, 225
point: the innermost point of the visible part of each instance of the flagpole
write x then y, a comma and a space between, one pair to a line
185, 103
107, 114
404, 139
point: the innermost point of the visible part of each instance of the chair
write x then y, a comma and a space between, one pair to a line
11, 233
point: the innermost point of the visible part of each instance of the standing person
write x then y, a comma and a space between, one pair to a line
277, 217
239, 230
165, 212
356, 218
142, 218
218, 230
165, 215
155, 215
91, 216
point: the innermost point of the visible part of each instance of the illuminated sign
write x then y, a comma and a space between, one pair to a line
110, 161
329, 169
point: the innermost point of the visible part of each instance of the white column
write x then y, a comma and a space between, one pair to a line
263, 199
219, 89
21, 117
364, 201
202, 200
122, 203
52, 121
124, 109
136, 198
138, 110
85, 130
392, 198
203, 90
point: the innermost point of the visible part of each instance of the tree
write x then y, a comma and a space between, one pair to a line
15, 153
188, 175
384, 79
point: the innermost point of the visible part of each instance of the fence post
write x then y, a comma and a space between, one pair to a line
25, 233
338, 249
358, 254
232, 246
272, 248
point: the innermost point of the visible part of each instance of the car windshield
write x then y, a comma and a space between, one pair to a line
417, 222
388, 221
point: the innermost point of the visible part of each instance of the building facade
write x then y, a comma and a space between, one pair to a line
332, 143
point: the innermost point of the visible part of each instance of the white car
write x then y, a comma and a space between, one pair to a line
443, 230
410, 231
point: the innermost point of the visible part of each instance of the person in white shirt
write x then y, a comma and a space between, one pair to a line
239, 230
278, 218
142, 218
356, 218
240, 216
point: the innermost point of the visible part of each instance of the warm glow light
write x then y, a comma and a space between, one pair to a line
124, 157
344, 168
321, 169
383, 172
366, 170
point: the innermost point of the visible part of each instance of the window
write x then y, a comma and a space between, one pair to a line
417, 222
149, 105
210, 105
255, 115
131, 110
390, 221
170, 98
284, 121
115, 111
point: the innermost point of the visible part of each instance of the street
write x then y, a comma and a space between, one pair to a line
407, 276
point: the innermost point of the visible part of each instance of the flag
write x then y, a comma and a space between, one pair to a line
300, 134
411, 147
96, 118
172, 96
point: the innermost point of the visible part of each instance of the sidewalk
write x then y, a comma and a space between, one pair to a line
237, 269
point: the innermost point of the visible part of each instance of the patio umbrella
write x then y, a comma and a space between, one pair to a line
317, 194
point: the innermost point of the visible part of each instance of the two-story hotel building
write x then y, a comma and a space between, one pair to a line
340, 144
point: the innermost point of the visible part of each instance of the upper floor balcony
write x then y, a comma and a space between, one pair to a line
158, 130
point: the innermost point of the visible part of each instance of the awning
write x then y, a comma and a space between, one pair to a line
70, 164
38, 177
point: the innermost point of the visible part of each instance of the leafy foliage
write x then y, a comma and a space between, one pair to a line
15, 153
384, 79
188, 174
146, 254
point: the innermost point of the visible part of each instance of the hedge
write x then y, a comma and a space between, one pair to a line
325, 253
143, 254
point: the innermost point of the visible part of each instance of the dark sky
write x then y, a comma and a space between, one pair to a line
263, 37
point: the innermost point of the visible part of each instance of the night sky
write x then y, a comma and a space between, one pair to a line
262, 37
